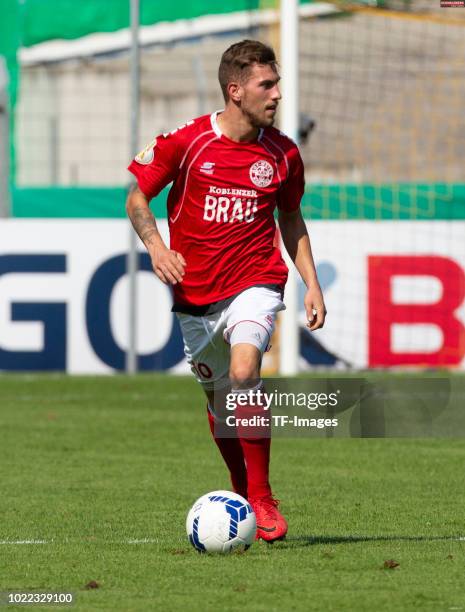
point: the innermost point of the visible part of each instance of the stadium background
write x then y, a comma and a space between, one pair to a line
98, 472
382, 84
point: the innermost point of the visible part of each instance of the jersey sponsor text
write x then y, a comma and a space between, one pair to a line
229, 210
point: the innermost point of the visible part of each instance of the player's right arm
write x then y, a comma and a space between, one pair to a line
154, 168
167, 264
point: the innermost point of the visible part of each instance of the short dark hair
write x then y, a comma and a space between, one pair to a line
239, 58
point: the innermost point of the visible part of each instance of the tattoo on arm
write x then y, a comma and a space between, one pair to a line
144, 223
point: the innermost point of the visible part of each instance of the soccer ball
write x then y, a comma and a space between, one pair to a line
221, 521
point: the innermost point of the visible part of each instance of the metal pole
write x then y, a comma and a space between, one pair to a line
54, 157
201, 82
132, 257
5, 203
289, 345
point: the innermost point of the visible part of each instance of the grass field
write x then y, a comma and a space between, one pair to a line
102, 471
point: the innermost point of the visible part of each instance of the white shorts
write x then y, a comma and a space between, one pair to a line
250, 318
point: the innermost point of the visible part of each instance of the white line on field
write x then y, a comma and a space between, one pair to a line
24, 542
144, 541
16, 542
133, 541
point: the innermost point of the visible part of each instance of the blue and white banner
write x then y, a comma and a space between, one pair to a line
395, 293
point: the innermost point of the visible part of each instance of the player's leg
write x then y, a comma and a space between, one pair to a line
245, 380
229, 447
251, 324
208, 356
255, 441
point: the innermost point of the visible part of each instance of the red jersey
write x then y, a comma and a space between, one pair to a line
221, 205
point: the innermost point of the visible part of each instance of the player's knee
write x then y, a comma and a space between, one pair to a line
244, 374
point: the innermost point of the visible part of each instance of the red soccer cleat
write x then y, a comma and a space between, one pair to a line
271, 524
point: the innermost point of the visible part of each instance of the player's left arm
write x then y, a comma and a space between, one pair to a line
297, 242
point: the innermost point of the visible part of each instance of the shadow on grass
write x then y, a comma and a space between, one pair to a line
315, 540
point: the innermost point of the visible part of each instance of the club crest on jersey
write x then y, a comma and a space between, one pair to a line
261, 173
146, 156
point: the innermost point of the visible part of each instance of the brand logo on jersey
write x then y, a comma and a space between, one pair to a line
146, 156
207, 167
261, 173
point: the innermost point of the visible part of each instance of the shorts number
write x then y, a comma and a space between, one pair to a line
202, 370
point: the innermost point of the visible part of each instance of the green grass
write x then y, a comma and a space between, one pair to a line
88, 464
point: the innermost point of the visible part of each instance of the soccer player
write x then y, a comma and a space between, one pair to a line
230, 170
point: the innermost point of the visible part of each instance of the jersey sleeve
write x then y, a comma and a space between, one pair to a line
292, 189
158, 164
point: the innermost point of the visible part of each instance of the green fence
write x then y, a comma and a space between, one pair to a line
384, 202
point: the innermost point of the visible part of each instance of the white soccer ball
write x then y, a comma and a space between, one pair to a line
220, 522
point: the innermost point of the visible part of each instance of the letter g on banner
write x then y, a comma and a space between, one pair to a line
98, 322
51, 315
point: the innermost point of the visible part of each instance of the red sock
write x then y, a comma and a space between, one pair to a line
256, 445
257, 458
231, 451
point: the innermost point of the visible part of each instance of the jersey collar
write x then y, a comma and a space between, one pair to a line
216, 127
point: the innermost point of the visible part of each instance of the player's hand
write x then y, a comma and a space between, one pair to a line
315, 308
168, 265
